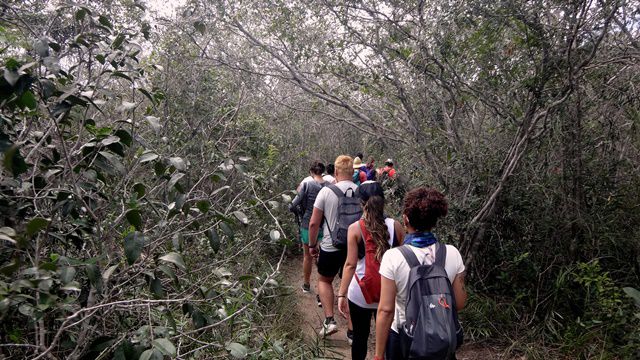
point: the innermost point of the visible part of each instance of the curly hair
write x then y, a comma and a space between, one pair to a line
423, 207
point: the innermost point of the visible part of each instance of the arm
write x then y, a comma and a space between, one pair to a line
399, 230
297, 201
459, 291
353, 237
314, 226
386, 312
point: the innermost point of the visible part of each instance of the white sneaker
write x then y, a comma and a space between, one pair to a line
329, 328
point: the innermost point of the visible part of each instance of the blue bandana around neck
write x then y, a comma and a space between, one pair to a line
420, 239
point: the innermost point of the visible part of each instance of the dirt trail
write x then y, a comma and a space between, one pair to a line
336, 345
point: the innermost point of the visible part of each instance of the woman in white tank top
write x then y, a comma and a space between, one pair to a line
384, 233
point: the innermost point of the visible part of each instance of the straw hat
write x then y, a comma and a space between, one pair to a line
357, 163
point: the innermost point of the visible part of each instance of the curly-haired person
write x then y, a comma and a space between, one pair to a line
422, 209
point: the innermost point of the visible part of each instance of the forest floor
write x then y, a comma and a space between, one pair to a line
310, 317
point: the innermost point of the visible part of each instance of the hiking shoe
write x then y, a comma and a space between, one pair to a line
350, 337
328, 327
306, 288
318, 300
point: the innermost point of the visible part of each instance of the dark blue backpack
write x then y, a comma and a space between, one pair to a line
431, 330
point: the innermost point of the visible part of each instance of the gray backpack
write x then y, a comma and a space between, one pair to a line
349, 211
431, 330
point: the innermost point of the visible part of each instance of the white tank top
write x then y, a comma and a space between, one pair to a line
355, 294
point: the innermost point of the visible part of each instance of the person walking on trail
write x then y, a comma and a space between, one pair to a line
303, 205
359, 173
388, 171
370, 169
330, 259
329, 177
368, 239
422, 209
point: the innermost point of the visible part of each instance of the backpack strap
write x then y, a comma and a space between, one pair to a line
410, 256
441, 254
336, 190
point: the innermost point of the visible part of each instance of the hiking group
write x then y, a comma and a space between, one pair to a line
402, 276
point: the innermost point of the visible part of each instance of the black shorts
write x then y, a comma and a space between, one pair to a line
331, 263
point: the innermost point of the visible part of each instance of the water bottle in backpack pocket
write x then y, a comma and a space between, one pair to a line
431, 330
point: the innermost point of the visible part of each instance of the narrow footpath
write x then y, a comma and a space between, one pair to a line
336, 346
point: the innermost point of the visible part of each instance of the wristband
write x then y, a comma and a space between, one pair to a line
339, 296
377, 358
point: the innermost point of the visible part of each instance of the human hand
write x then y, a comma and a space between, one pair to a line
343, 306
314, 251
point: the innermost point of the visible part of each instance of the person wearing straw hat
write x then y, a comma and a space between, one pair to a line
359, 175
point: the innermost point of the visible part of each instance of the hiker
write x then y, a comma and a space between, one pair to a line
388, 171
303, 204
370, 169
359, 175
327, 211
422, 209
329, 177
368, 239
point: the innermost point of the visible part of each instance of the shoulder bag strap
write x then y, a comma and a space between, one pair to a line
441, 254
336, 190
409, 256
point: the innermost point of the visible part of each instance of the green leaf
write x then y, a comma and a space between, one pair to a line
174, 258
67, 274
105, 21
198, 319
156, 287
200, 26
214, 240
107, 273
125, 137
238, 351
178, 163
134, 218
27, 100
140, 190
14, 162
174, 179
80, 14
95, 278
151, 354
165, 346
634, 294
117, 42
148, 156
227, 230
242, 217
133, 244
35, 225
169, 272
203, 206
171, 320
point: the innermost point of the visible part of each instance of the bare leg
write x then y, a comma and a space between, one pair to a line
325, 288
306, 264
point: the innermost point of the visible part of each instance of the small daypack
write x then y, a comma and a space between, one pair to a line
349, 211
370, 282
431, 330
356, 177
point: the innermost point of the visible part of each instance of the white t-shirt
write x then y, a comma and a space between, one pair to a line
394, 267
355, 293
327, 201
330, 179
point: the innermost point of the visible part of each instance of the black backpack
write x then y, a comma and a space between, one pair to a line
349, 211
431, 330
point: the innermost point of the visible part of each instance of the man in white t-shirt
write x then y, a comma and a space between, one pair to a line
422, 208
330, 259
329, 177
